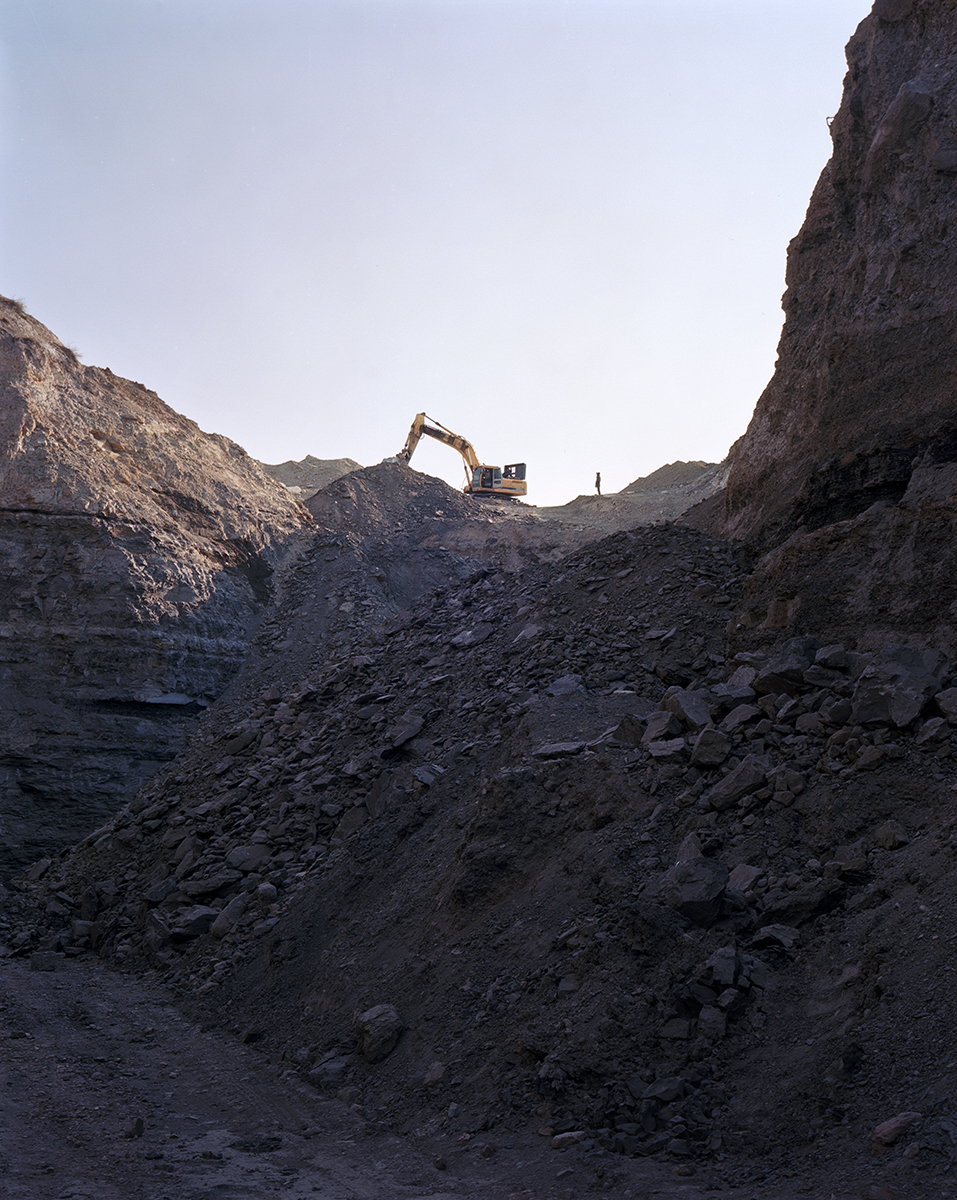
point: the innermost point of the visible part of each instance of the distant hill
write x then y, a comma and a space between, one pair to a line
677, 475
310, 474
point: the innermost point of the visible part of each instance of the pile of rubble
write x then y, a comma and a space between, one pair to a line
594, 868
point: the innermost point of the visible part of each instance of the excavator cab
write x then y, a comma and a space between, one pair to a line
486, 479
498, 481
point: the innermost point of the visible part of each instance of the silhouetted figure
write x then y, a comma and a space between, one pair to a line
598, 482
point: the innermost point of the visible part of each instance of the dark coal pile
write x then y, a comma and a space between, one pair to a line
382, 537
533, 855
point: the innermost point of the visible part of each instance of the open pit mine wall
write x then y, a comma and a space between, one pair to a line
864, 386
135, 554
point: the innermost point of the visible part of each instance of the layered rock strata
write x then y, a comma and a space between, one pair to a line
844, 480
136, 553
863, 389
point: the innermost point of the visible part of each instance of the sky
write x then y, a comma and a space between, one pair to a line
558, 227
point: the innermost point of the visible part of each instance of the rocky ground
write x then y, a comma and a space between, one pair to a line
664, 495
108, 1091
606, 880
139, 552
533, 853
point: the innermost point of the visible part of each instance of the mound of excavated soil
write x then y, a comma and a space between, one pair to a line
498, 815
665, 495
383, 536
391, 498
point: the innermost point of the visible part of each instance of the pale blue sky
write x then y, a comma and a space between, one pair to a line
557, 227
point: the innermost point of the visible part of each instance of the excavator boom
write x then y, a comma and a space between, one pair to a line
481, 480
441, 434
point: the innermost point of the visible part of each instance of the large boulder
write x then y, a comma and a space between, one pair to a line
747, 777
784, 673
691, 707
695, 888
895, 689
377, 1031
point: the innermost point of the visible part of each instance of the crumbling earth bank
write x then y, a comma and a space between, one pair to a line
845, 475
614, 885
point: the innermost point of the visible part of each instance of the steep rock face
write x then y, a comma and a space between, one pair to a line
886, 575
136, 551
863, 389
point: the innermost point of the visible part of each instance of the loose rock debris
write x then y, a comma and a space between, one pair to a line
107, 1090
686, 948
633, 871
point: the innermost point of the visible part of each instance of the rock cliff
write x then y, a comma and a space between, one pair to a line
844, 476
136, 553
864, 379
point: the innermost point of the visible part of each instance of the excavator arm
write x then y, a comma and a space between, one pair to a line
480, 480
441, 434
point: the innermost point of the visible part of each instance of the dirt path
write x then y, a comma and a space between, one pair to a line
107, 1092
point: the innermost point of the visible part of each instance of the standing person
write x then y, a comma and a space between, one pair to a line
598, 482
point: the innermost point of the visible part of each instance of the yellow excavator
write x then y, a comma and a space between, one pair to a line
480, 479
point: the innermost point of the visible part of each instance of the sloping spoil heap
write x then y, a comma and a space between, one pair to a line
408, 513
383, 536
405, 514
610, 883
664, 495
136, 552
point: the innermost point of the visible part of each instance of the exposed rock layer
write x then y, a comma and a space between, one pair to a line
863, 390
887, 575
844, 480
136, 552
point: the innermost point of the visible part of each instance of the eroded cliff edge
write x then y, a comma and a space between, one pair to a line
136, 553
844, 478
